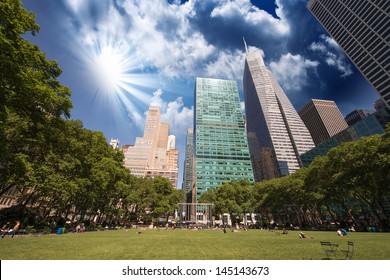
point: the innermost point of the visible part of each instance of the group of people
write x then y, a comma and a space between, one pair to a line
11, 231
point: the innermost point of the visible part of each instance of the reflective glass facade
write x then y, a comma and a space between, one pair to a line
188, 164
221, 147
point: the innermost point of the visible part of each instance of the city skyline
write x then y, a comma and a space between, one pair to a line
159, 47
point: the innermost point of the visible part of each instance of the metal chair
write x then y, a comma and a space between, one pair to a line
349, 252
330, 249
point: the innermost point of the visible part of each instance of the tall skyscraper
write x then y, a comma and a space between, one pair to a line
323, 119
151, 155
221, 147
276, 134
188, 165
361, 28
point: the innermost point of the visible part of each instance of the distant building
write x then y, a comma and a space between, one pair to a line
171, 142
323, 119
154, 154
114, 143
276, 133
378, 104
372, 124
361, 28
9, 198
357, 115
221, 147
188, 165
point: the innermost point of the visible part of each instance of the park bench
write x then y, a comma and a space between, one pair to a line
349, 251
330, 249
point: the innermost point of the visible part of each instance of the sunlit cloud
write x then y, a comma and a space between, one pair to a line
110, 61
331, 52
253, 16
291, 71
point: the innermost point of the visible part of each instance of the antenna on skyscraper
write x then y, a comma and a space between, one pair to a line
246, 47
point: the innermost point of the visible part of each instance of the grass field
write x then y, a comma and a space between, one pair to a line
190, 245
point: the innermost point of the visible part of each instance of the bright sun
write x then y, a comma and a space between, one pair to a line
115, 71
110, 69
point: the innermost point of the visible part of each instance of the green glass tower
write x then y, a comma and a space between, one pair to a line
221, 146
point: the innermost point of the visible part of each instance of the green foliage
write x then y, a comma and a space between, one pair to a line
154, 198
31, 98
234, 198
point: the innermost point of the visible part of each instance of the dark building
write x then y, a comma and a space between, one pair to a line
357, 115
372, 124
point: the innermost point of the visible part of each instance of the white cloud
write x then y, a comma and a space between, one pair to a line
74, 4
339, 63
164, 37
317, 46
137, 119
333, 55
253, 16
291, 71
156, 34
228, 65
157, 100
331, 42
179, 117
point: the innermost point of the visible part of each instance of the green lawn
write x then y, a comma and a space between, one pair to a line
189, 244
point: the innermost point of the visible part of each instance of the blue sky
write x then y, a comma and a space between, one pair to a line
121, 56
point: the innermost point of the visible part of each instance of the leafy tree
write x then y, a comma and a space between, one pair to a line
31, 98
234, 198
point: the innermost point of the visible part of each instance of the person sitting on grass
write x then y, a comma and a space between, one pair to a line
12, 231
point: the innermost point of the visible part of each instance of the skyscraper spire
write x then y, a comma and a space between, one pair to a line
246, 47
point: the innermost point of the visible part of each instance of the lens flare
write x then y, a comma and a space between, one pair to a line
116, 73
109, 69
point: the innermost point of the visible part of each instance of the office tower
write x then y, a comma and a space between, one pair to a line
276, 134
361, 28
151, 155
323, 119
188, 165
221, 147
357, 115
373, 124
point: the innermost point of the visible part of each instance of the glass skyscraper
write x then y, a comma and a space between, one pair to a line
362, 29
188, 165
221, 147
276, 134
